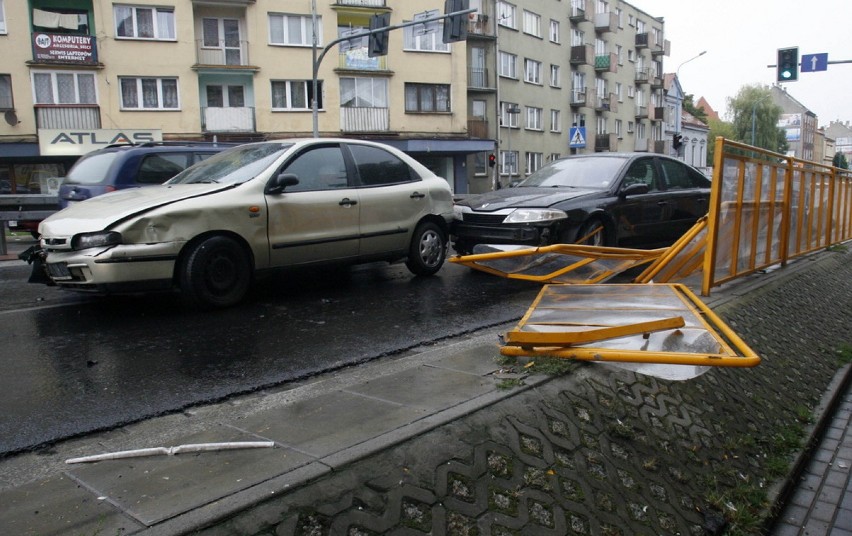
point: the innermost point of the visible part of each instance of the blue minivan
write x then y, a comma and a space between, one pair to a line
116, 167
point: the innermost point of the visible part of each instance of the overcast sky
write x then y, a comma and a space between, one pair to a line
742, 37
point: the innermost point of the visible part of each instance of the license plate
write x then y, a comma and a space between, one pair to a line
58, 270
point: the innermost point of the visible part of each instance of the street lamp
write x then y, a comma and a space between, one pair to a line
689, 60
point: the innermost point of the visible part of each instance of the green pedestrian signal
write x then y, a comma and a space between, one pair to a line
788, 64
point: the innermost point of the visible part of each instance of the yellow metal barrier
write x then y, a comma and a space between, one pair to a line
766, 208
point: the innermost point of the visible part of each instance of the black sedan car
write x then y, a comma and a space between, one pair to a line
636, 200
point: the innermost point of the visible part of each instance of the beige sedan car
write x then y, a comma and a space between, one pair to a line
254, 207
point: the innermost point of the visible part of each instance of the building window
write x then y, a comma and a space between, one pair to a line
508, 162
430, 42
629, 127
480, 166
64, 87
553, 157
428, 98
554, 32
555, 76
532, 71
534, 161
619, 128
137, 22
2, 17
507, 119
555, 121
363, 93
532, 23
506, 15
508, 65
295, 94
149, 93
534, 118
293, 30
6, 102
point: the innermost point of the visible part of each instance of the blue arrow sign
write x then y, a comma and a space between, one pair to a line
814, 62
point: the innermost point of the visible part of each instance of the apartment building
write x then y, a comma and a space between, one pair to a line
533, 81
80, 74
573, 76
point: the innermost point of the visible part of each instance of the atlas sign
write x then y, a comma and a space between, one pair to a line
55, 142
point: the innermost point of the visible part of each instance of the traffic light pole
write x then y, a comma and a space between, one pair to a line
317, 58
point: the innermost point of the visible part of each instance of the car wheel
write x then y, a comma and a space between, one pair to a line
216, 273
428, 249
595, 232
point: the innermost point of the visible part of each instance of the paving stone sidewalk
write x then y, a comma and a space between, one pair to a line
601, 450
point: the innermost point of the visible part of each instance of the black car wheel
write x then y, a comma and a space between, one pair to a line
428, 249
216, 273
593, 233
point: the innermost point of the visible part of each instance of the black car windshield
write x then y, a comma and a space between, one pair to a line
233, 166
592, 172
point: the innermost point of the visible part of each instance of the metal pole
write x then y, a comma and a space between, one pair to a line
314, 82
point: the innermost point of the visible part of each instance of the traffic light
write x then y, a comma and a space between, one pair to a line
379, 40
788, 64
492, 160
455, 27
677, 141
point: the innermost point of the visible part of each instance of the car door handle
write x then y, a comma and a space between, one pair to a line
417, 195
346, 202
663, 203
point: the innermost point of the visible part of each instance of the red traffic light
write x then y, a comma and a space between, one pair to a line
492, 160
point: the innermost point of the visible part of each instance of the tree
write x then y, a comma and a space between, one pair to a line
689, 106
717, 128
839, 161
756, 119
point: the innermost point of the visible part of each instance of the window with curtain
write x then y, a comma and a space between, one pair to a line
64, 87
6, 102
143, 22
149, 93
363, 93
295, 94
293, 30
427, 98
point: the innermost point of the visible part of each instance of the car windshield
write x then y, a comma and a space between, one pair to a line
91, 169
597, 173
233, 166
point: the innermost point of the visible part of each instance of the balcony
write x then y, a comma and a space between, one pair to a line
663, 147
364, 119
657, 82
480, 25
356, 59
606, 22
582, 55
581, 11
606, 63
641, 112
477, 128
645, 40
662, 49
578, 97
231, 119
62, 117
641, 145
658, 113
607, 103
606, 142
235, 54
643, 76
361, 3
479, 79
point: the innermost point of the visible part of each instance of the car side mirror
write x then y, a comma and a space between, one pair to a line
638, 188
281, 182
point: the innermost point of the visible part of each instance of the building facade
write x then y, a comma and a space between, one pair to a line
798, 122
841, 133
533, 81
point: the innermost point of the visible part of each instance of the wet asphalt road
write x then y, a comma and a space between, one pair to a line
72, 364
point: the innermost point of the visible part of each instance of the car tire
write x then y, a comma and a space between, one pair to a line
216, 273
428, 249
597, 227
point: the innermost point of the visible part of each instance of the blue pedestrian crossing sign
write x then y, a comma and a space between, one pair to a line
814, 62
577, 138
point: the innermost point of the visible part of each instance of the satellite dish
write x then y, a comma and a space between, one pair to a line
11, 117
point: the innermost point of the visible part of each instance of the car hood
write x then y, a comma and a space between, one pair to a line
525, 197
104, 211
